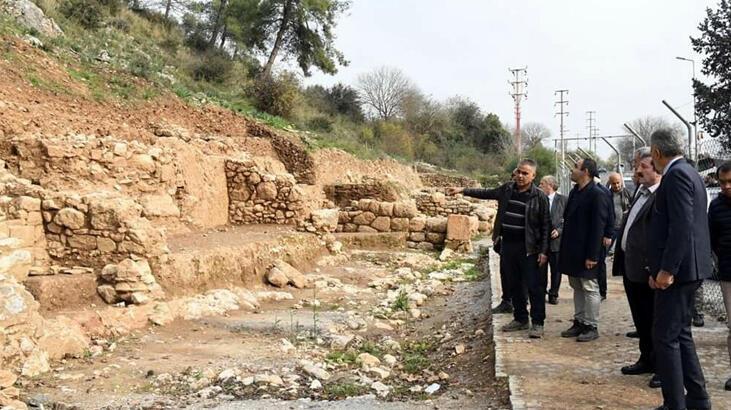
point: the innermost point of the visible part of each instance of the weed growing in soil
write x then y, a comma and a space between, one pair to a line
401, 302
415, 356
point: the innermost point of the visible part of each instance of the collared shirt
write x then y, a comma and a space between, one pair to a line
550, 200
672, 161
642, 196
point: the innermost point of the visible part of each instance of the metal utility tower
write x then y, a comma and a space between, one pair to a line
591, 120
562, 102
519, 91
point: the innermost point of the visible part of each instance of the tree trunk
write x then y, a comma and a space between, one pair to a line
286, 13
168, 5
217, 22
224, 34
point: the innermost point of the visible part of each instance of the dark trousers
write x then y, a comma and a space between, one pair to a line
555, 273
675, 356
602, 274
504, 282
524, 275
641, 298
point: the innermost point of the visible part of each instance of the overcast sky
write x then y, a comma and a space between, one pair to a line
616, 57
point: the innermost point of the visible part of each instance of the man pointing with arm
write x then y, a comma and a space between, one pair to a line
522, 226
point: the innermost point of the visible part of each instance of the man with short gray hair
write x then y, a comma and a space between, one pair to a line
556, 205
679, 261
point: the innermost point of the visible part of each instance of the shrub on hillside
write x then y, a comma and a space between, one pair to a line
321, 123
88, 13
276, 94
213, 66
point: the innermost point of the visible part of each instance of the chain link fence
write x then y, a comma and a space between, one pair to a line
711, 154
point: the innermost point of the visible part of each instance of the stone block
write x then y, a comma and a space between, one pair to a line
417, 236
417, 224
436, 224
366, 218
405, 209
85, 242
382, 223
459, 227
435, 238
400, 224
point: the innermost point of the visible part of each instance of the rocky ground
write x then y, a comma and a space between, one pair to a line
374, 328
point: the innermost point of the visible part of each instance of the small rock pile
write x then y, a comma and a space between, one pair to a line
283, 274
130, 281
256, 197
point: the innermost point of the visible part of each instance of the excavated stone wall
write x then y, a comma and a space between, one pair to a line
96, 229
22, 226
343, 194
256, 197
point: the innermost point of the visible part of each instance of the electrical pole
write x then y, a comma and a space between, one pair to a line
519, 85
562, 102
591, 120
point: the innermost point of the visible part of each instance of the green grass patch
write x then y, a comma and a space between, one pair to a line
344, 390
474, 274
371, 348
347, 357
415, 358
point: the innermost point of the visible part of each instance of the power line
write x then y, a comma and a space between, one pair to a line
518, 92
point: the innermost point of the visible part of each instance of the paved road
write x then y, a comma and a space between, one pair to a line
558, 373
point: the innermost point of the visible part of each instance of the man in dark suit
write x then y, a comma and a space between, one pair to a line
632, 263
609, 233
557, 205
680, 259
581, 243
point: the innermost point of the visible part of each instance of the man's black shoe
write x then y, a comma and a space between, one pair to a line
590, 333
655, 382
503, 307
727, 386
553, 300
698, 321
604, 297
638, 368
574, 331
633, 334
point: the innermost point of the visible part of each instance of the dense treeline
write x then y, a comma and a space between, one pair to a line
252, 55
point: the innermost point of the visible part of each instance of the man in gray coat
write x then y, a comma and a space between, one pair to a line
557, 204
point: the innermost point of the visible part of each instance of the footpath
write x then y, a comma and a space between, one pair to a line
560, 373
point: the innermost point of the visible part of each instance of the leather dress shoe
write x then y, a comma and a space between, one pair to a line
655, 382
633, 334
638, 368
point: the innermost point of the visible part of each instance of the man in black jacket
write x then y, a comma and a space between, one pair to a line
522, 225
719, 222
557, 204
679, 262
631, 261
581, 248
